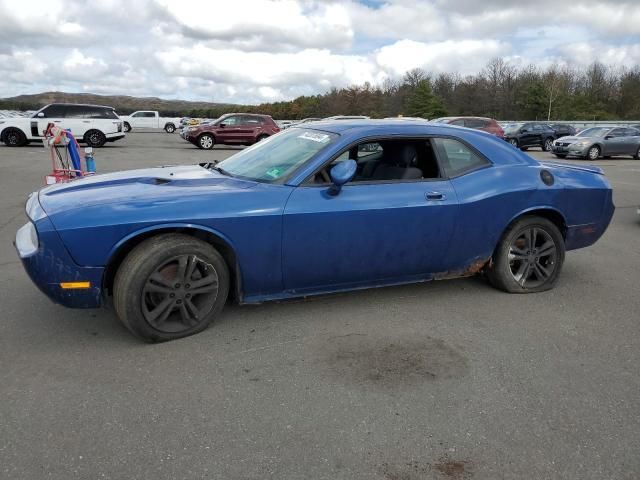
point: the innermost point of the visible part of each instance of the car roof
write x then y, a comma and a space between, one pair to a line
78, 105
380, 126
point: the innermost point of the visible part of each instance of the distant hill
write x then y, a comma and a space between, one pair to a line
122, 103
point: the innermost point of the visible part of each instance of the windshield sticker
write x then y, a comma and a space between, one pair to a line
316, 137
275, 172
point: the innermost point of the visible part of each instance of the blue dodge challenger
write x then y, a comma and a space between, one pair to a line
321, 208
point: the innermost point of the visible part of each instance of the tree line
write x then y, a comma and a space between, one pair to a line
501, 90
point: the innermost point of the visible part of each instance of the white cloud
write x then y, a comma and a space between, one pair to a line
262, 50
465, 56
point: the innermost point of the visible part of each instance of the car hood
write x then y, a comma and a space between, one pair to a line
150, 185
573, 139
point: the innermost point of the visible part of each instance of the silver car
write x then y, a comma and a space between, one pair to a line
596, 142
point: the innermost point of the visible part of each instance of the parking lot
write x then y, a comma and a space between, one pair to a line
442, 380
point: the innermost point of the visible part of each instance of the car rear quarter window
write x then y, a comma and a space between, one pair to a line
457, 158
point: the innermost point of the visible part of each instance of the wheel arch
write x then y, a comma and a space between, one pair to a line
8, 128
550, 213
224, 246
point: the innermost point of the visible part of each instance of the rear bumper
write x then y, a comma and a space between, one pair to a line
580, 236
51, 264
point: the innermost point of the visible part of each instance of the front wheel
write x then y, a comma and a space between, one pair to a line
95, 138
547, 145
593, 153
514, 142
206, 141
637, 155
529, 257
169, 128
127, 127
14, 137
170, 286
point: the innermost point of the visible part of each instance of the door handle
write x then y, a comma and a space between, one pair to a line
435, 196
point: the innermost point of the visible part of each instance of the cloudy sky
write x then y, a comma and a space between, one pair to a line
252, 51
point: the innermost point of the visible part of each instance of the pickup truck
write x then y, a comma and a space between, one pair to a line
91, 124
149, 119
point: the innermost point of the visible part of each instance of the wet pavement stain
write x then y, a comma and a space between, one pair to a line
361, 359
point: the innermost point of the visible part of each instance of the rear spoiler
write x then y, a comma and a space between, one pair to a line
591, 169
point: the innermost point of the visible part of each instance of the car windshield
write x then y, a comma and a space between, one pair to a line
277, 156
593, 132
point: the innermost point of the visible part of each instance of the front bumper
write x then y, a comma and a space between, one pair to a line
50, 265
570, 150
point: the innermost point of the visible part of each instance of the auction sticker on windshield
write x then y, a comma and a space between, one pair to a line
316, 137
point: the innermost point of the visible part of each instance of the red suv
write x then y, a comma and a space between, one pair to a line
231, 129
479, 123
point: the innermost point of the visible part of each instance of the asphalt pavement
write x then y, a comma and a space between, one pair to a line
443, 380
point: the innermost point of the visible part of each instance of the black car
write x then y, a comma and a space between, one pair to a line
563, 130
526, 135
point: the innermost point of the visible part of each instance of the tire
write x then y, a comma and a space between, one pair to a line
593, 153
513, 142
560, 155
261, 137
524, 149
516, 263
547, 145
155, 302
206, 141
14, 137
637, 155
169, 128
95, 138
127, 127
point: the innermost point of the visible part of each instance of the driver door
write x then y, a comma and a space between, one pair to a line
614, 142
372, 232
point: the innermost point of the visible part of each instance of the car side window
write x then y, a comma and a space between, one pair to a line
231, 121
474, 123
250, 120
460, 122
616, 132
384, 161
148, 114
55, 111
457, 158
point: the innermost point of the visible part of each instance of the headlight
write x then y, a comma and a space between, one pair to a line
580, 144
27, 240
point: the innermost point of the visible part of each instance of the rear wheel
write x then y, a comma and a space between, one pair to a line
14, 137
513, 142
593, 153
95, 138
261, 137
170, 286
169, 128
637, 155
127, 127
206, 141
529, 257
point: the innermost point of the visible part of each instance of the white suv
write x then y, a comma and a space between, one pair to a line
91, 124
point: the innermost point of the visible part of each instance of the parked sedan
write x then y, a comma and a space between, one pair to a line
479, 123
527, 135
232, 129
340, 206
593, 143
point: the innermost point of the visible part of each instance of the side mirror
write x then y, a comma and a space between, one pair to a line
523, 130
40, 115
342, 173
222, 125
609, 137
